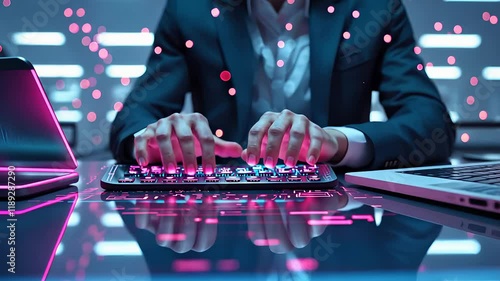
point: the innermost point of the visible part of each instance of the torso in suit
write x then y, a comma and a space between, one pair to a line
344, 72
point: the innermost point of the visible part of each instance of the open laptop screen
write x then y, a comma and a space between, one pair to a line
30, 135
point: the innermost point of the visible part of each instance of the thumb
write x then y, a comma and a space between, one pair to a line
227, 148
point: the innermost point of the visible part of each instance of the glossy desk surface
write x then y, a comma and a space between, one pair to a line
84, 233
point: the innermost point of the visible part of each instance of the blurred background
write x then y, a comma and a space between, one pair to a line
89, 54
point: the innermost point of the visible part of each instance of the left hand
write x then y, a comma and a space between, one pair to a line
292, 138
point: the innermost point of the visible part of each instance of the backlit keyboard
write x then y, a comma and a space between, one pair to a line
130, 177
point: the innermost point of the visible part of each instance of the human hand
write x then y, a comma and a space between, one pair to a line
188, 226
182, 138
292, 138
284, 228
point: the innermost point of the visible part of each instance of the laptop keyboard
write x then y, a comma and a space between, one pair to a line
485, 174
237, 176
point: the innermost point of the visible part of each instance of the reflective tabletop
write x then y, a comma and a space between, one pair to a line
343, 233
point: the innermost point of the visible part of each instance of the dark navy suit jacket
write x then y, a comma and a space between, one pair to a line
344, 72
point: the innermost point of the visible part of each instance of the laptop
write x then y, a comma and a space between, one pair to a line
35, 156
46, 217
475, 186
451, 217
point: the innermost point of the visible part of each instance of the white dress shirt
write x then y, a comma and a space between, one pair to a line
281, 43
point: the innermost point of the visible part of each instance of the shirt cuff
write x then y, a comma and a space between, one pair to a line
358, 152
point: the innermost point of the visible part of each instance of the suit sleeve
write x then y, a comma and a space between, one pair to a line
419, 130
158, 93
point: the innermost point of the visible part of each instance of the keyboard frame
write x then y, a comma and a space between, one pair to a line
109, 181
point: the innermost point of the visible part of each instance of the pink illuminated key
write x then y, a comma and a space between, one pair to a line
305, 264
329, 222
266, 242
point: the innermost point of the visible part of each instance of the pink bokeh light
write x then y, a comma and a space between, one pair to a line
189, 44
474, 81
470, 100
457, 29
125, 81
80, 12
99, 68
417, 50
451, 60
84, 84
86, 28
280, 63
346, 35
387, 38
486, 16
465, 137
225, 75
355, 14
103, 53
93, 46
157, 50
91, 116
68, 12
330, 9
96, 94
289, 26
76, 103
483, 115
232, 91
86, 41
438, 26
219, 133
74, 28
494, 19
215, 12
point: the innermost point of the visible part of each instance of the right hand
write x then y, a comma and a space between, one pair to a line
182, 138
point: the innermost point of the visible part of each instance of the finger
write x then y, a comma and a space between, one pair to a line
255, 136
164, 140
207, 143
275, 135
186, 141
298, 231
227, 148
276, 232
185, 228
206, 227
316, 137
141, 145
256, 231
166, 228
296, 139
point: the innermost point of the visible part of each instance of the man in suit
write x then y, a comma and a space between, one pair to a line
289, 80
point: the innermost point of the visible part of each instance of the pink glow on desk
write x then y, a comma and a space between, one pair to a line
228, 265
266, 242
369, 218
171, 236
211, 221
309, 213
329, 222
333, 217
305, 264
198, 265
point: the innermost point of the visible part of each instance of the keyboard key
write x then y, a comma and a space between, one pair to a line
233, 179
212, 179
253, 179
190, 179
314, 178
274, 178
168, 180
126, 180
294, 178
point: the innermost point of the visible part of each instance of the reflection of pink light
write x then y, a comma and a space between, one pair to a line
309, 213
139, 213
166, 215
197, 219
171, 236
228, 265
332, 222
266, 242
306, 264
37, 170
333, 217
199, 265
47, 203
54, 118
41, 182
211, 221
369, 218
47, 269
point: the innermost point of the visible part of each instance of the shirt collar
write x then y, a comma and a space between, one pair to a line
306, 8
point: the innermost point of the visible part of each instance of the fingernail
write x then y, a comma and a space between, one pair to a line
290, 161
251, 159
209, 169
171, 168
269, 162
191, 170
142, 161
311, 159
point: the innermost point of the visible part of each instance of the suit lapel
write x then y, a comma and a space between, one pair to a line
325, 32
239, 55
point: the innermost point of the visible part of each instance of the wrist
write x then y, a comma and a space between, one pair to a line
341, 142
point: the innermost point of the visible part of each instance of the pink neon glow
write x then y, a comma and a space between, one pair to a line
494, 19
369, 218
80, 12
215, 12
438, 26
470, 100
39, 183
38, 170
195, 265
387, 38
211, 221
197, 219
91, 116
305, 264
74, 28
166, 215
266, 242
331, 9
333, 217
219, 133
457, 29
355, 14
86, 28
171, 236
47, 203
232, 91
118, 106
68, 12
309, 213
139, 213
96, 94
327, 222
228, 265
417, 50
346, 35
486, 16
